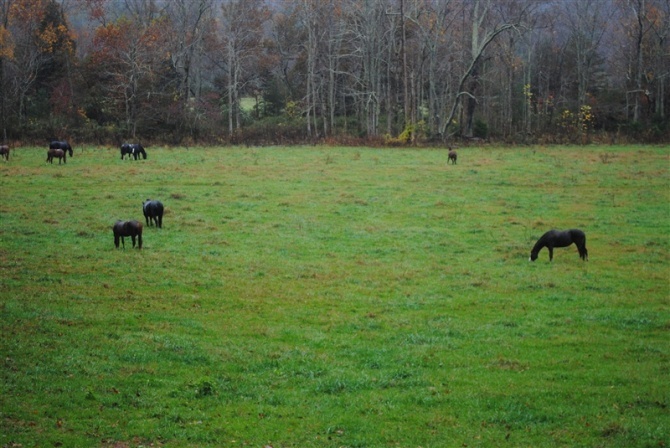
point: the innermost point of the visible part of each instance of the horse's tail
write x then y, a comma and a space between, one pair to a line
583, 252
116, 236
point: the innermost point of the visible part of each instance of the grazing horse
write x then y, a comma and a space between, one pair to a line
452, 157
153, 212
133, 149
558, 238
65, 146
127, 228
4, 152
58, 153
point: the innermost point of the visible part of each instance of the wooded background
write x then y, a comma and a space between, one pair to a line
345, 71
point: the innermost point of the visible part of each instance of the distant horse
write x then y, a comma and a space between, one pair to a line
65, 146
558, 238
133, 149
4, 152
452, 157
153, 212
127, 228
58, 153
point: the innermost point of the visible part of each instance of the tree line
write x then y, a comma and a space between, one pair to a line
360, 71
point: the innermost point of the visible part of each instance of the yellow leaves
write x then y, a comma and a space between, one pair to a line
55, 38
584, 120
48, 39
6, 44
528, 93
586, 117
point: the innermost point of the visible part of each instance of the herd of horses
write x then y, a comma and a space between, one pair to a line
153, 210
59, 149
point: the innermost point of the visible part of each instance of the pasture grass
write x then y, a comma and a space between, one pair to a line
336, 297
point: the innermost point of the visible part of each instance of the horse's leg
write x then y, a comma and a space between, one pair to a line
116, 240
139, 240
551, 253
160, 221
133, 238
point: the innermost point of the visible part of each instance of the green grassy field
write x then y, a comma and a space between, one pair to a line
336, 297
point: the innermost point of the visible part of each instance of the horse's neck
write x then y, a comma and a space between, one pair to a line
538, 246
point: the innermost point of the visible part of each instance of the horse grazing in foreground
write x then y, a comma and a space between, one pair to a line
558, 238
452, 157
62, 144
127, 228
153, 212
4, 152
58, 153
134, 150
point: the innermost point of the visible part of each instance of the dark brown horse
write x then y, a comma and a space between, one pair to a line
558, 238
127, 228
58, 153
452, 157
61, 144
4, 152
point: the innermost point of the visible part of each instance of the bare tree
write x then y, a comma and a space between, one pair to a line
6, 54
649, 30
241, 30
486, 26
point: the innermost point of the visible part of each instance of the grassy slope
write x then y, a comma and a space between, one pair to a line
336, 297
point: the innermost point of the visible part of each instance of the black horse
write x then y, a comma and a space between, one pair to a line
558, 238
153, 212
127, 228
133, 149
65, 146
4, 152
57, 153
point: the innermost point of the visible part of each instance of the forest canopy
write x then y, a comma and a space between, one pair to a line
347, 71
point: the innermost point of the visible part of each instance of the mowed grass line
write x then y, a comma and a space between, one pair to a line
335, 297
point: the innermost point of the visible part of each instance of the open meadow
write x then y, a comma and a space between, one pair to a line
336, 297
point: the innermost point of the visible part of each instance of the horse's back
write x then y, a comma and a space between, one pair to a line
153, 208
127, 228
563, 238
